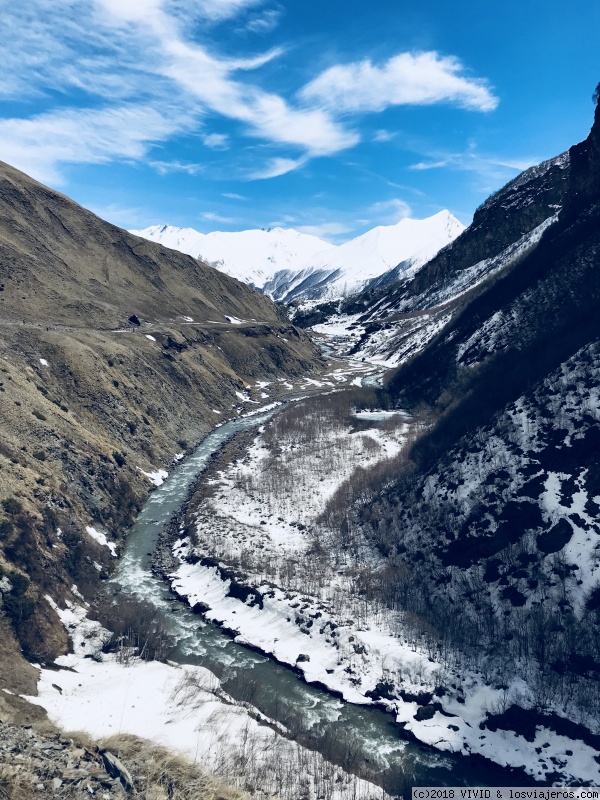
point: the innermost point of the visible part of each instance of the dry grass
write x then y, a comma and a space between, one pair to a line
159, 774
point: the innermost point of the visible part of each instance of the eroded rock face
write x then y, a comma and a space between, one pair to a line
34, 763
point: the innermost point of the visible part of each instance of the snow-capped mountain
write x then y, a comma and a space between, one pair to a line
289, 265
348, 268
252, 256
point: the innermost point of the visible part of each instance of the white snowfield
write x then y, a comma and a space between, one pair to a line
288, 265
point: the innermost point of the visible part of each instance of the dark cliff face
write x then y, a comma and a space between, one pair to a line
521, 323
584, 183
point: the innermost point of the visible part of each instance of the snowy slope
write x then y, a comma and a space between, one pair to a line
289, 265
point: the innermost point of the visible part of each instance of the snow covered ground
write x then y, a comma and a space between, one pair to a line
184, 709
261, 557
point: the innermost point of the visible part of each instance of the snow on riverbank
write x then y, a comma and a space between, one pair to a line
265, 565
184, 709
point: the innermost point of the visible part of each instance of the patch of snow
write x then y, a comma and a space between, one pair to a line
100, 537
158, 477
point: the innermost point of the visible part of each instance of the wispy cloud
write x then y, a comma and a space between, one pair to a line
94, 136
224, 9
212, 217
383, 136
140, 79
388, 212
406, 79
326, 230
165, 167
216, 141
338, 226
489, 167
265, 22
234, 196
276, 167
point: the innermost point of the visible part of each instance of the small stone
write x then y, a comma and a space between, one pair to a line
56, 783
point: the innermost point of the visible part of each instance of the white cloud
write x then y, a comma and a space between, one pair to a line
92, 136
165, 167
234, 196
388, 212
265, 22
489, 167
266, 115
256, 61
135, 52
384, 136
216, 141
406, 79
209, 215
519, 164
424, 165
224, 9
137, 55
277, 167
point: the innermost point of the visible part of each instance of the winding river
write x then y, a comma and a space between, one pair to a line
371, 735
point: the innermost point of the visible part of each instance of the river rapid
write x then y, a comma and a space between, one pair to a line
362, 739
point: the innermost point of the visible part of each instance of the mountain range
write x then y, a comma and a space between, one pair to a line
290, 266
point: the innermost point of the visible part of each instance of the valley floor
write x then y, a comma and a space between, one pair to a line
261, 557
266, 551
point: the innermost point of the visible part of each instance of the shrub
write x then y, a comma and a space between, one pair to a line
12, 506
136, 627
119, 458
17, 606
39, 415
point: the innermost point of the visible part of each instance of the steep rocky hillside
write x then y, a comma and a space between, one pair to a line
493, 521
116, 354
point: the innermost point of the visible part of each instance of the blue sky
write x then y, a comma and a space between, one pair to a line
326, 116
